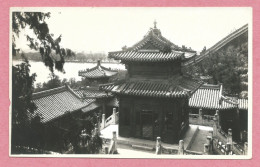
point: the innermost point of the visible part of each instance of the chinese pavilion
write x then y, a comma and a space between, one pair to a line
98, 74
153, 98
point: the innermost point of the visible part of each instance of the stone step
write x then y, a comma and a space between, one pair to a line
141, 147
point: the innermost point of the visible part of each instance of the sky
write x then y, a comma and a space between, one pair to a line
109, 29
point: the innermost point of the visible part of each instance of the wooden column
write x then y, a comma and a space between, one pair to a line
238, 127
103, 107
200, 116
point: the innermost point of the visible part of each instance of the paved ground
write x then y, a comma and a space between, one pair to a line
189, 134
107, 133
200, 139
133, 153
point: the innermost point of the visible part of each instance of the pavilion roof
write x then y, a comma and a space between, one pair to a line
147, 56
98, 72
55, 103
210, 97
181, 87
153, 48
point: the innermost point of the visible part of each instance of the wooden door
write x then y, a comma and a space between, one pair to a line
147, 125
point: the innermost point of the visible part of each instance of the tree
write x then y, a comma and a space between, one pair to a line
22, 105
51, 52
22, 88
228, 66
27, 129
54, 82
93, 141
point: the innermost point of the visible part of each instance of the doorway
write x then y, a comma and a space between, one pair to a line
149, 125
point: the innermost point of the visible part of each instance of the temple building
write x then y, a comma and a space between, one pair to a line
233, 112
153, 98
98, 75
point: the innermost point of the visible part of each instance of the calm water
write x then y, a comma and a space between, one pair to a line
71, 69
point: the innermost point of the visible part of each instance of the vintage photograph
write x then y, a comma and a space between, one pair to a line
131, 82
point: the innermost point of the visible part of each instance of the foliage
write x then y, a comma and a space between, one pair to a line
228, 66
22, 88
52, 53
79, 57
25, 129
55, 82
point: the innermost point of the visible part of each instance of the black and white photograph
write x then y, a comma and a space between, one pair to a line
131, 82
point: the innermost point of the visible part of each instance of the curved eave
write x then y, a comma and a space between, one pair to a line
153, 94
212, 108
149, 57
97, 77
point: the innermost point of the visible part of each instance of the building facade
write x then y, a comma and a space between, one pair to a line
233, 112
153, 98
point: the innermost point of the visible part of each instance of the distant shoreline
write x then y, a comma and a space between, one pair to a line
105, 62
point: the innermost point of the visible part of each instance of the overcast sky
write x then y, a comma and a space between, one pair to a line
109, 29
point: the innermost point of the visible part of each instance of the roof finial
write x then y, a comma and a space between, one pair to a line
155, 23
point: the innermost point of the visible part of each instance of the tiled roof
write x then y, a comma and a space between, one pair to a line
91, 107
181, 87
91, 93
153, 48
56, 102
146, 56
210, 97
154, 36
97, 72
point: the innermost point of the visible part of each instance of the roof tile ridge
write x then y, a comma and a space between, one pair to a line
108, 69
72, 91
210, 86
227, 100
48, 92
88, 69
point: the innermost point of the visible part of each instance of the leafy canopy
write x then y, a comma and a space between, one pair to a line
51, 52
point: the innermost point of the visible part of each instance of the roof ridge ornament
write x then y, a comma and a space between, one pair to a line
155, 22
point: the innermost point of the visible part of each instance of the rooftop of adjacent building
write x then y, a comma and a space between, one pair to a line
98, 71
211, 96
55, 103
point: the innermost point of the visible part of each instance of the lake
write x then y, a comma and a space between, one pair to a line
71, 69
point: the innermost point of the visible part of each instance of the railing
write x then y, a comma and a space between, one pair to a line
194, 115
221, 135
221, 148
111, 120
208, 117
238, 149
205, 120
189, 152
169, 151
117, 118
